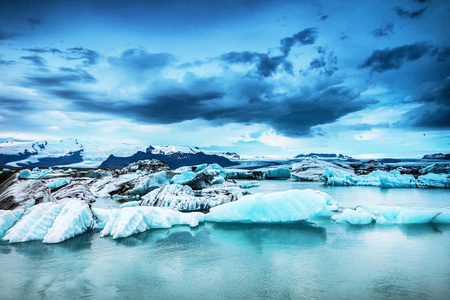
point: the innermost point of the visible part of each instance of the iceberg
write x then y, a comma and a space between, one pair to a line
8, 218
263, 173
57, 183
248, 184
35, 223
313, 169
391, 179
51, 222
176, 196
74, 219
392, 215
131, 220
23, 174
288, 206
185, 176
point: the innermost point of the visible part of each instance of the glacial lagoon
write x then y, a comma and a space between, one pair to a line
259, 261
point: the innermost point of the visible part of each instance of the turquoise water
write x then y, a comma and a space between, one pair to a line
240, 261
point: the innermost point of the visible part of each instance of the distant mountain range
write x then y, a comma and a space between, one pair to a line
324, 156
73, 153
437, 156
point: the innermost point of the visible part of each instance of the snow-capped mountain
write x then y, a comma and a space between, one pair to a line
437, 156
92, 154
324, 156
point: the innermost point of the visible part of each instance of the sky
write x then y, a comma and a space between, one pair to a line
362, 78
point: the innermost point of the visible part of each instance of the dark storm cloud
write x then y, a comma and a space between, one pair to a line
245, 101
383, 31
304, 37
326, 63
434, 113
441, 53
43, 50
267, 65
6, 35
72, 94
65, 76
393, 58
409, 14
88, 57
141, 60
35, 59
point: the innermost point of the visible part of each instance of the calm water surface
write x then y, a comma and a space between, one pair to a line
240, 261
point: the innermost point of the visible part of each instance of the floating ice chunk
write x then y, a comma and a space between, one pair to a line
35, 224
74, 219
8, 218
355, 217
392, 215
57, 183
392, 179
248, 184
288, 206
176, 196
131, 204
185, 176
151, 182
131, 220
434, 180
313, 169
24, 173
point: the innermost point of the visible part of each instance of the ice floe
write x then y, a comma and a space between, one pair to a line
391, 179
287, 206
131, 220
392, 215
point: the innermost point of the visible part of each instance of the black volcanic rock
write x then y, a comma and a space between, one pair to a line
174, 160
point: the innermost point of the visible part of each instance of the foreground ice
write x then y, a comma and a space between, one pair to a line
392, 215
392, 179
52, 222
55, 222
131, 220
288, 206
8, 218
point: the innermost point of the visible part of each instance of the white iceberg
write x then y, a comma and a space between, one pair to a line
392, 215
52, 223
35, 223
176, 196
185, 176
8, 218
131, 220
391, 179
288, 206
74, 219
57, 183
